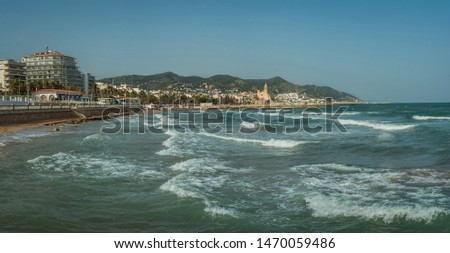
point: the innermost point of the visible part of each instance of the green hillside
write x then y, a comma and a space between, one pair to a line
225, 83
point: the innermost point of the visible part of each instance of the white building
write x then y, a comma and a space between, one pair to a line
287, 97
49, 95
10, 71
53, 66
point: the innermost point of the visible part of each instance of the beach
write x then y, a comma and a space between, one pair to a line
10, 128
32, 120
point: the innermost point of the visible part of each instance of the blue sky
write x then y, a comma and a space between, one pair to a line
395, 51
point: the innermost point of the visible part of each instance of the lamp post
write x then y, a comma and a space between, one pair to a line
28, 92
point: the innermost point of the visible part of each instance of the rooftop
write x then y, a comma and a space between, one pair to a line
47, 53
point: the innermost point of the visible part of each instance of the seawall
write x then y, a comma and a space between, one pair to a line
11, 117
32, 116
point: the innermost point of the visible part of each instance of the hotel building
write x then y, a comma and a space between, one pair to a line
53, 66
10, 71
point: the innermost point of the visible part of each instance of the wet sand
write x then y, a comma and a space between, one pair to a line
9, 128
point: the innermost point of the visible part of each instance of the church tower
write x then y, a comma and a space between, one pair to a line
263, 96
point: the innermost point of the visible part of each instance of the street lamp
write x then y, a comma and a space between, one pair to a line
28, 92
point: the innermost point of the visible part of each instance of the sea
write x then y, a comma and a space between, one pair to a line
359, 168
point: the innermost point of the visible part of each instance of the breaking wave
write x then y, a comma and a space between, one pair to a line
377, 126
326, 206
334, 190
200, 178
268, 143
246, 124
84, 165
25, 136
417, 117
96, 137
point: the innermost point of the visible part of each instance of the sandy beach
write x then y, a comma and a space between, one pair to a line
9, 128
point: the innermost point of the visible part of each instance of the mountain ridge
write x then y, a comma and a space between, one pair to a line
224, 83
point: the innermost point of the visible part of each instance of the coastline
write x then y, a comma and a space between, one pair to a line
6, 128
14, 127
11, 128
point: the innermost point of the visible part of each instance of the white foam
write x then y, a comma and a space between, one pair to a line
269, 143
83, 165
26, 137
333, 190
152, 174
377, 126
194, 186
216, 210
2, 144
330, 167
176, 144
168, 142
97, 137
281, 143
417, 117
200, 165
178, 186
346, 113
246, 124
313, 115
186, 185
328, 206
351, 113
200, 178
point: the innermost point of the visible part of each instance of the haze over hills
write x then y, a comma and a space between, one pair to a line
277, 85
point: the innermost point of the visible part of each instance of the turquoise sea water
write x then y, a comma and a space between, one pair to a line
390, 172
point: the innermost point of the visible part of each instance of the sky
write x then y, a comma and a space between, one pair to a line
396, 51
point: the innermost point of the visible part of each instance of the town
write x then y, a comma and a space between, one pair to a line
51, 77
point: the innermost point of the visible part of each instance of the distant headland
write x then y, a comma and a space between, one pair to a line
230, 87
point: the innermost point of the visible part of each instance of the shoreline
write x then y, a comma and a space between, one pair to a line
7, 128
11, 128
15, 127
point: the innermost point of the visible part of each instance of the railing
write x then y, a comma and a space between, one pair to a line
48, 106
13, 98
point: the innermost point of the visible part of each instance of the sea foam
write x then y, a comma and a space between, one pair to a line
326, 206
377, 126
177, 143
333, 190
418, 117
269, 143
199, 179
85, 165
246, 124
331, 167
96, 137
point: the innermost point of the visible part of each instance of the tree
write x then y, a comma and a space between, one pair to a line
153, 99
94, 91
143, 96
18, 87
183, 98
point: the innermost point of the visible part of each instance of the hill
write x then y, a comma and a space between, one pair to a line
225, 83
